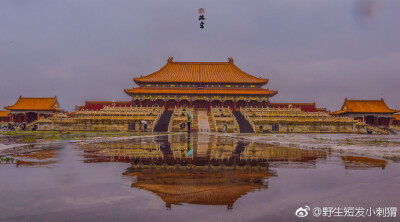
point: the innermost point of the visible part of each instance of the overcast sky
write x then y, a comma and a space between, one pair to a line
310, 50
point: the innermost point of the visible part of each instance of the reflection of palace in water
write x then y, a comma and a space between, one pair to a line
360, 162
199, 186
197, 169
198, 150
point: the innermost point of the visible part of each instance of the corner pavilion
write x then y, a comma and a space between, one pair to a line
373, 112
29, 109
200, 85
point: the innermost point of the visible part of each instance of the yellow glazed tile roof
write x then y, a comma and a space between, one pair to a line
35, 103
200, 72
4, 113
258, 91
365, 106
396, 117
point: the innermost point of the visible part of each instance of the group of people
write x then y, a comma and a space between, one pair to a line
189, 126
12, 126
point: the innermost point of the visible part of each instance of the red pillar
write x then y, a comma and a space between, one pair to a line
11, 117
234, 105
165, 105
153, 102
177, 105
259, 104
375, 121
222, 103
209, 105
247, 103
132, 102
25, 118
191, 104
140, 102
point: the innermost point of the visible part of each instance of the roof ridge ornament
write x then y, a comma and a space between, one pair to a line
170, 59
230, 60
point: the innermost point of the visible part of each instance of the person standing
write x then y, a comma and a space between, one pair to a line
189, 123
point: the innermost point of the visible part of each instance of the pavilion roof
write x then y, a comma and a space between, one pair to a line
194, 91
365, 106
396, 117
35, 103
4, 113
200, 72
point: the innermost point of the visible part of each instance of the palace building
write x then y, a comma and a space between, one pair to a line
29, 109
373, 112
4, 116
200, 85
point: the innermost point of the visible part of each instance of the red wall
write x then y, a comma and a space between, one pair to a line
100, 105
304, 108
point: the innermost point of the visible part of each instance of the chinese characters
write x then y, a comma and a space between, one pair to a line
201, 17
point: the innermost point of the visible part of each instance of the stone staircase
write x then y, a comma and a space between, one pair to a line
210, 122
163, 122
244, 125
203, 123
195, 121
377, 130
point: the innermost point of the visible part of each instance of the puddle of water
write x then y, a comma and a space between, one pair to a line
196, 177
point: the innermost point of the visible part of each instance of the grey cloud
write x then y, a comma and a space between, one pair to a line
310, 50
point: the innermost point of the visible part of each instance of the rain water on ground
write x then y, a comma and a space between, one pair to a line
200, 177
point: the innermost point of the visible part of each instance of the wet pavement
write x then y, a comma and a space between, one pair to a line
199, 177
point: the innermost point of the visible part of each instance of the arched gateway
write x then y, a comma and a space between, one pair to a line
200, 85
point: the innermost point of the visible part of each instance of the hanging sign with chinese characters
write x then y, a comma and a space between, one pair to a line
201, 17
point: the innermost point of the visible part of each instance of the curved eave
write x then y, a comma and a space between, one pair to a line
347, 111
258, 92
11, 109
141, 81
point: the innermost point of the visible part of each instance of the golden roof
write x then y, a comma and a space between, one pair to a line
365, 106
200, 72
35, 103
225, 91
396, 117
4, 113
